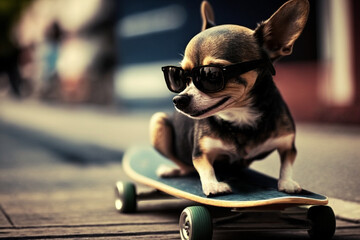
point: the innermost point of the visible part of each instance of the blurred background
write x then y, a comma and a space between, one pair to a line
109, 53
80, 79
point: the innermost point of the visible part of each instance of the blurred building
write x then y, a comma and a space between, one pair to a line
339, 80
326, 88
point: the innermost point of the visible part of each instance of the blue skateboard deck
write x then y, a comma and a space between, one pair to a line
250, 188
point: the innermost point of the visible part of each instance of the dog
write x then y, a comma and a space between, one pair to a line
228, 107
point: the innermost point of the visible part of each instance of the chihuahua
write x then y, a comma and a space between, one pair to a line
228, 107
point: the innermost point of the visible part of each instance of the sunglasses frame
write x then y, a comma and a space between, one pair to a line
227, 72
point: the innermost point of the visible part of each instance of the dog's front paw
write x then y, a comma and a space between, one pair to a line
214, 188
288, 185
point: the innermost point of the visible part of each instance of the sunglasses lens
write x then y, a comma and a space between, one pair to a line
175, 79
209, 79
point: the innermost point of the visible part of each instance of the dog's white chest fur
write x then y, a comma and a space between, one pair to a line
240, 116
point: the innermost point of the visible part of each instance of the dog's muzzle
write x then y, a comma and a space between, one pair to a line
182, 101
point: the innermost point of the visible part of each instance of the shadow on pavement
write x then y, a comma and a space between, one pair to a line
70, 152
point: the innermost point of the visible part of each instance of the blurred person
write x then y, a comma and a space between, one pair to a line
54, 36
33, 33
9, 51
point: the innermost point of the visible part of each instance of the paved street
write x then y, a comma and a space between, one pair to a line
30, 164
327, 161
59, 166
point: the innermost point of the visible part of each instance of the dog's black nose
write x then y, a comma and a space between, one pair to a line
181, 101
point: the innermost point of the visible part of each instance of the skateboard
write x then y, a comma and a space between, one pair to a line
254, 195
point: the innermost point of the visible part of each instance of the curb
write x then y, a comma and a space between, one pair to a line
345, 210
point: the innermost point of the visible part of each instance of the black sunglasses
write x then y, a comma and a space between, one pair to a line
210, 78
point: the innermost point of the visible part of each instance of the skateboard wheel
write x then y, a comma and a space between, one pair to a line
125, 201
322, 221
195, 224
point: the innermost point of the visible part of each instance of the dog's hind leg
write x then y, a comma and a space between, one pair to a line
161, 137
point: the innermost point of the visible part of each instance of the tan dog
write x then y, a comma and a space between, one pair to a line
228, 107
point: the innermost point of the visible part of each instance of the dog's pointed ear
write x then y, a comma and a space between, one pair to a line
207, 15
279, 32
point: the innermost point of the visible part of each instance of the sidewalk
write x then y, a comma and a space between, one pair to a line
103, 128
85, 189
